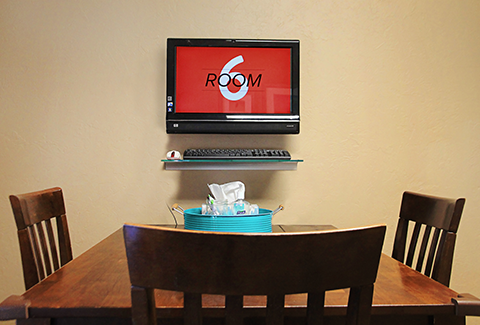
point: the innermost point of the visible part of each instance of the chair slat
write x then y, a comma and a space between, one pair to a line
413, 243
234, 309
44, 248
275, 309
36, 253
315, 307
192, 309
52, 244
432, 251
143, 306
444, 260
360, 305
66, 254
400, 240
423, 248
28, 255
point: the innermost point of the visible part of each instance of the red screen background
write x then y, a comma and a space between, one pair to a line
195, 95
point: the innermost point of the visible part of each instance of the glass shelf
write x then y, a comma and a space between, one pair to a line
244, 164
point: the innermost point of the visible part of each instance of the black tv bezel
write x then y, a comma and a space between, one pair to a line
213, 123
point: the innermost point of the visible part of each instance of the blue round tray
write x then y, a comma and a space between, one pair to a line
195, 220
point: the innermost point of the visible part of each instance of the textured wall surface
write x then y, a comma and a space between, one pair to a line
390, 94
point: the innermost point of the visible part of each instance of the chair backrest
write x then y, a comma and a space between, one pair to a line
236, 264
40, 248
434, 256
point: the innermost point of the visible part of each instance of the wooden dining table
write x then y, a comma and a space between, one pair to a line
94, 288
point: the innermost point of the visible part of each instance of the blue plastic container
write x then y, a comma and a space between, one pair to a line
195, 220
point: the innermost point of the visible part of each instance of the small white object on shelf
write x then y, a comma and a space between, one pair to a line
173, 155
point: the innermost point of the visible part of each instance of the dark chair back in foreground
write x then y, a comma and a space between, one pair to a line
236, 264
42, 251
434, 256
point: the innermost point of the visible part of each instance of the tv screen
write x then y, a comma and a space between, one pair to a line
232, 86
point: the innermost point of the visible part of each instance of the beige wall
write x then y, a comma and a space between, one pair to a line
390, 94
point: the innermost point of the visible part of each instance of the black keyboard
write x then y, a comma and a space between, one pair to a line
236, 154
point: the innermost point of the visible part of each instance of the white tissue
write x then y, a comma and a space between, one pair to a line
228, 192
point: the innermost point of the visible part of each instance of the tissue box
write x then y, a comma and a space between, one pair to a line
261, 222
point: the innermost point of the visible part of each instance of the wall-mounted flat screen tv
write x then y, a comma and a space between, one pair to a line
233, 86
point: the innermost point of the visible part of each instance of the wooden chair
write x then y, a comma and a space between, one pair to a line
235, 264
40, 248
428, 213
